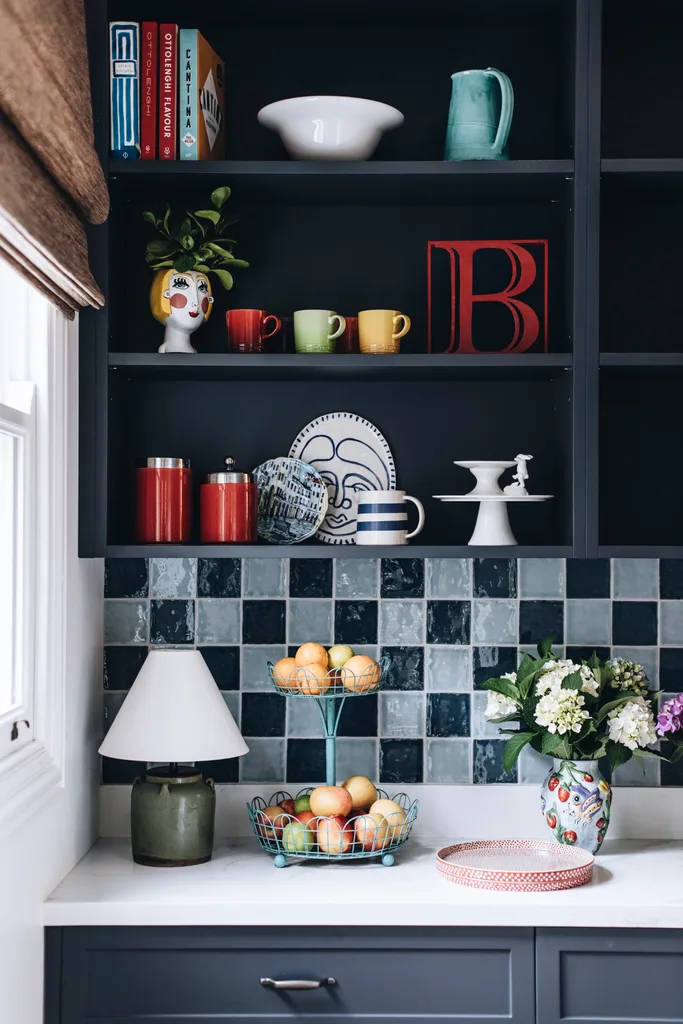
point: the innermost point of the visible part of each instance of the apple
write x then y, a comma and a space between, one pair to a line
307, 818
394, 815
302, 803
371, 832
327, 801
288, 806
334, 835
339, 655
297, 838
360, 674
271, 821
363, 792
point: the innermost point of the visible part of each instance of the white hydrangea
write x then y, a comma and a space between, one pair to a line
498, 705
628, 675
553, 672
632, 724
561, 711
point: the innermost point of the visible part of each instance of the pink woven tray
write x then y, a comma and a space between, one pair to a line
515, 865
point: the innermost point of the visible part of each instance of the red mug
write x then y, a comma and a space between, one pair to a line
348, 341
246, 329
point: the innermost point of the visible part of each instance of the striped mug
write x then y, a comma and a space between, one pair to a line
383, 517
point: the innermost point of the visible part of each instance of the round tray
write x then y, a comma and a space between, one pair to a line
383, 846
515, 865
334, 683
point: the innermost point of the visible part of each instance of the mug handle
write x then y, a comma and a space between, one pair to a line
278, 325
406, 326
340, 329
420, 514
507, 106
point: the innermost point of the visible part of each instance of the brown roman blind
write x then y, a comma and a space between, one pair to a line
51, 181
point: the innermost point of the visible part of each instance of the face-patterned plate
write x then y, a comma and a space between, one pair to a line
515, 865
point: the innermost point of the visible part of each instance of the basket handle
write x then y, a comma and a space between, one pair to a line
300, 985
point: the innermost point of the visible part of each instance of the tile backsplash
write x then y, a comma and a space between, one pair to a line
445, 624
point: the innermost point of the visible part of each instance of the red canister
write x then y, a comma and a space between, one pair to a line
228, 507
164, 501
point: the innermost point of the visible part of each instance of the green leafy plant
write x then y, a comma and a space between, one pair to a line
195, 239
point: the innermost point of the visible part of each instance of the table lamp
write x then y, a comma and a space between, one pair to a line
174, 712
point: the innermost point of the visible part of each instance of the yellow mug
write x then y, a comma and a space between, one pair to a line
377, 334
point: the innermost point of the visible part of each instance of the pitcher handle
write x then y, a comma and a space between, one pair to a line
507, 106
420, 514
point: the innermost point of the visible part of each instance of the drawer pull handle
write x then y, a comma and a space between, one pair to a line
299, 985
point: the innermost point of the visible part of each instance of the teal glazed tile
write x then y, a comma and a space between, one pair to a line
303, 718
494, 621
481, 727
639, 771
172, 621
111, 707
402, 622
357, 757
264, 577
255, 665
645, 656
533, 767
448, 577
588, 621
448, 761
125, 622
174, 577
635, 577
541, 577
357, 577
310, 620
487, 765
448, 669
402, 715
265, 761
671, 622
232, 699
126, 577
218, 621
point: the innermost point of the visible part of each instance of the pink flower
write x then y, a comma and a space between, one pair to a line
670, 717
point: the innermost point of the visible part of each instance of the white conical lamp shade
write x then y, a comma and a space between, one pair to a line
174, 712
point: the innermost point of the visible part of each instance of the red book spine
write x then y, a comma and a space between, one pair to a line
168, 92
148, 90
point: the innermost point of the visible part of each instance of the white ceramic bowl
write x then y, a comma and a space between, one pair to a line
330, 127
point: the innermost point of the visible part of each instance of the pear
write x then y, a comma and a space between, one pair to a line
339, 655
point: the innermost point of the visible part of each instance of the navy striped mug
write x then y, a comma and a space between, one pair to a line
382, 517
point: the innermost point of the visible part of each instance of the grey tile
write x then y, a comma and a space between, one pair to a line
635, 577
448, 761
541, 577
255, 668
265, 761
402, 715
357, 757
645, 656
218, 621
402, 622
671, 622
533, 767
449, 577
174, 577
125, 622
357, 577
303, 718
310, 620
448, 669
494, 621
588, 621
264, 577
233, 700
110, 708
481, 727
638, 772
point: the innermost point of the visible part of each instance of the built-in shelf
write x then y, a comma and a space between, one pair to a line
377, 181
238, 366
652, 169
331, 551
642, 361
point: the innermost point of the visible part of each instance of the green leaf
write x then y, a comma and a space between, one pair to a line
224, 277
225, 242
184, 262
187, 242
164, 265
677, 753
220, 196
513, 747
617, 753
514, 717
185, 227
211, 215
504, 686
202, 266
648, 753
572, 682
594, 662
564, 749
201, 227
219, 250
166, 220
549, 742
242, 264
149, 217
612, 704
160, 246
545, 648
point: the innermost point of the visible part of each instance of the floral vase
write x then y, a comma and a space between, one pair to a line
576, 801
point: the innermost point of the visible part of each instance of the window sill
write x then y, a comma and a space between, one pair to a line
27, 780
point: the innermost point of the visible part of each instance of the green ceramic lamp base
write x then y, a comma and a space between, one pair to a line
172, 818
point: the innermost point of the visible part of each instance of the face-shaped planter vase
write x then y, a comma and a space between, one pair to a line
182, 301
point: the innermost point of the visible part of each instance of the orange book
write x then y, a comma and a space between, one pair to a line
201, 82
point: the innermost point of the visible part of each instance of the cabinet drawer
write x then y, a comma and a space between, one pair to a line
118, 975
596, 976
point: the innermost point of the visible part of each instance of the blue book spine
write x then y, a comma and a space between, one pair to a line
188, 95
124, 54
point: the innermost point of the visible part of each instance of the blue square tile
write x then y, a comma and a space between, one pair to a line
171, 622
263, 714
264, 577
125, 577
670, 669
635, 577
583, 652
541, 577
588, 622
487, 765
539, 619
671, 774
219, 577
494, 621
265, 761
402, 622
263, 622
357, 757
121, 666
671, 579
173, 577
111, 705
533, 767
406, 668
588, 577
224, 665
218, 621
356, 577
306, 761
634, 623
401, 761
358, 716
448, 761
310, 620
495, 577
255, 665
402, 577
355, 622
449, 577
448, 622
448, 669
303, 720
117, 773
448, 714
402, 715
310, 577
125, 622
639, 771
225, 770
492, 663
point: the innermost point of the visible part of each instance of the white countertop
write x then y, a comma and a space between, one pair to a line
636, 884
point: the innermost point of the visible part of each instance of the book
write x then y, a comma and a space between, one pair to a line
124, 61
168, 92
201, 99
149, 84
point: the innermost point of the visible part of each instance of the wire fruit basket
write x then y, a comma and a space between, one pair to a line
324, 838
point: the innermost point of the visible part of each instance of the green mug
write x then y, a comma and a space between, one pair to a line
314, 330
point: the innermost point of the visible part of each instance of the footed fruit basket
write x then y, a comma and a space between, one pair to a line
356, 840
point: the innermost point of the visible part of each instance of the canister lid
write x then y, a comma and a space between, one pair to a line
155, 462
229, 475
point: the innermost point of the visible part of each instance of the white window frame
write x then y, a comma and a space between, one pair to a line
34, 772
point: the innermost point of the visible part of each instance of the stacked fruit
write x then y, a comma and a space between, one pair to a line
313, 670
335, 820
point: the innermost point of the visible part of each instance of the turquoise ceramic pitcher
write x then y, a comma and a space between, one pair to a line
478, 124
